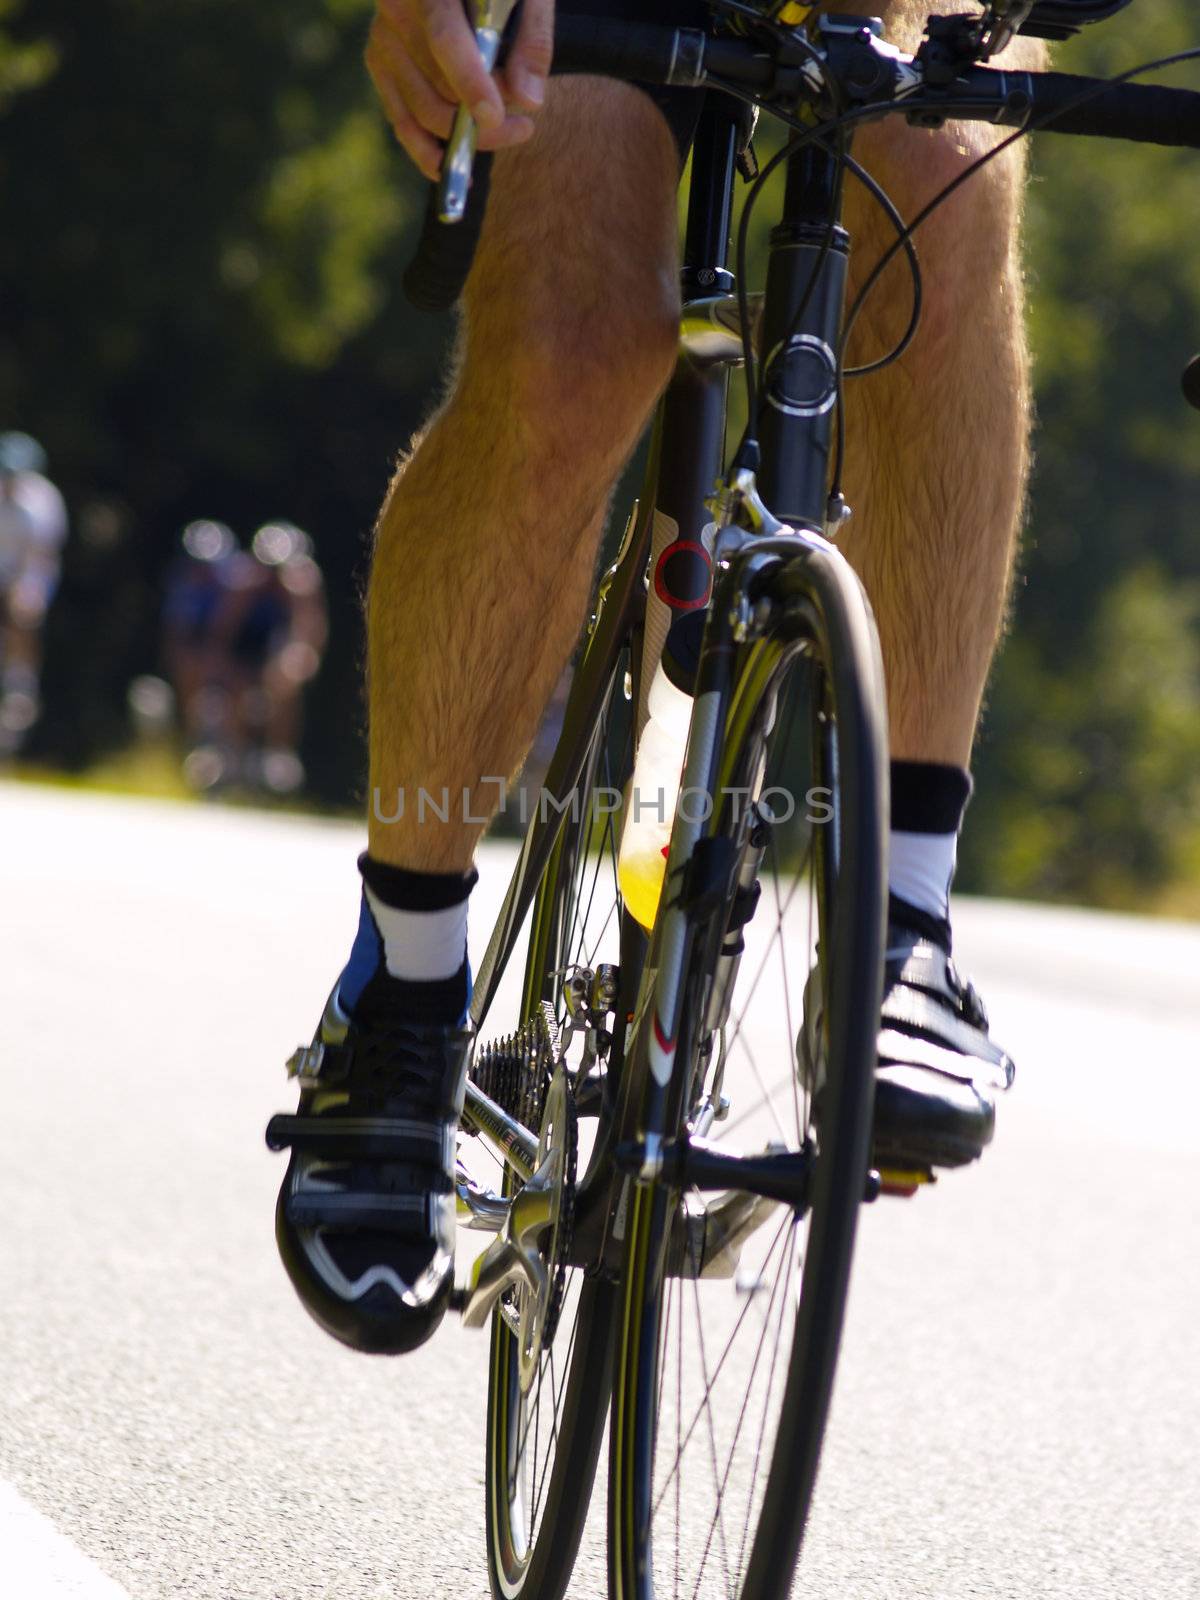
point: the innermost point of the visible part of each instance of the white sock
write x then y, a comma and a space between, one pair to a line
921, 869
420, 946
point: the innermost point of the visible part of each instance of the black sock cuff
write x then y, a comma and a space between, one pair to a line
403, 890
928, 797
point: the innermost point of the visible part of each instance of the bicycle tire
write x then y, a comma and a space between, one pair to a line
838, 652
533, 1541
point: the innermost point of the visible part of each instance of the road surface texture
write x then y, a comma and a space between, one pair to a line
1018, 1410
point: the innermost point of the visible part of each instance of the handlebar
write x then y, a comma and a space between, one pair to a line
874, 77
434, 278
1142, 112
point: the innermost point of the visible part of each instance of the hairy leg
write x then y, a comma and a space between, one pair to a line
937, 445
486, 544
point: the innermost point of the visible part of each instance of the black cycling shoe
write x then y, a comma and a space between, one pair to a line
937, 1069
366, 1217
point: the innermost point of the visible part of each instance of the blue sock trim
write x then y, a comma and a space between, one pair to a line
366, 963
366, 958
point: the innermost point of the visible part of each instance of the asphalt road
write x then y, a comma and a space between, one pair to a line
1018, 1411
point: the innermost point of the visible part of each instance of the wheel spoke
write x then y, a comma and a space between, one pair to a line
577, 927
541, 1481
591, 957
749, 1112
765, 962
742, 1315
784, 1301
662, 1369
537, 1428
743, 1410
783, 968
767, 1097
718, 1518
529, 1418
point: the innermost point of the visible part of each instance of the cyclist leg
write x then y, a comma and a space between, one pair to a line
939, 442
486, 544
936, 473
485, 550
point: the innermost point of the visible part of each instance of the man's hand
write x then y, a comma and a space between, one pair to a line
424, 63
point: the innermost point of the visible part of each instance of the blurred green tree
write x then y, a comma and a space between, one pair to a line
199, 315
1093, 785
1087, 768
205, 220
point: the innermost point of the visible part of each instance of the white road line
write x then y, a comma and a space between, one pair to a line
39, 1563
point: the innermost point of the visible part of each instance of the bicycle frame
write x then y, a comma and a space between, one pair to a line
658, 1202
802, 310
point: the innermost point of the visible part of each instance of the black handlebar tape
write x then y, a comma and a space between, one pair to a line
1140, 111
646, 52
629, 50
435, 276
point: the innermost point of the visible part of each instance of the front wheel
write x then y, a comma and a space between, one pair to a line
733, 1305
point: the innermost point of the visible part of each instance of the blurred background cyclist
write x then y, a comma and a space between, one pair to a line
192, 602
33, 528
244, 632
276, 628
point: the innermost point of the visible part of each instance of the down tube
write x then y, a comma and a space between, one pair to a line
693, 445
693, 410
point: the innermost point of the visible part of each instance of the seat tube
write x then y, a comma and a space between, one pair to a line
800, 365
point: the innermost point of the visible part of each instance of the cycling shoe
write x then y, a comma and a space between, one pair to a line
937, 1070
365, 1220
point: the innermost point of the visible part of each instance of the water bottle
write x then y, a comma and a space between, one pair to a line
682, 583
652, 797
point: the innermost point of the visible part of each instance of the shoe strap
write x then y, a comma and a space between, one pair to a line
926, 1003
387, 1213
917, 963
365, 1138
985, 1066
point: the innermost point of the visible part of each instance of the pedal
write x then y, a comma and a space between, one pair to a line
903, 1182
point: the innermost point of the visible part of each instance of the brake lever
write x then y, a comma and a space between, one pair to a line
490, 18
